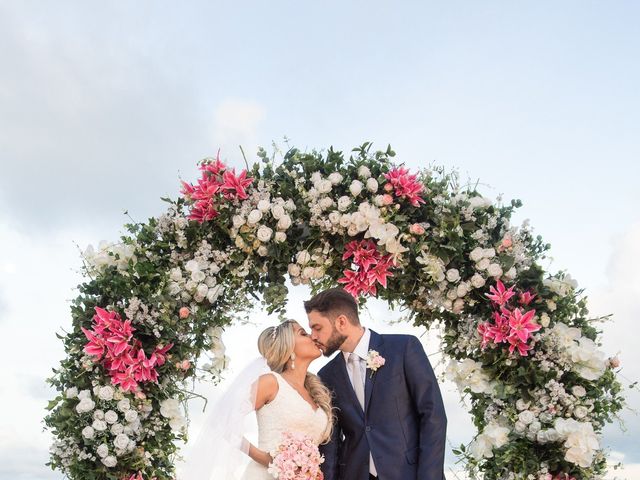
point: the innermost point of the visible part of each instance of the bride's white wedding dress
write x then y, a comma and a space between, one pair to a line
287, 412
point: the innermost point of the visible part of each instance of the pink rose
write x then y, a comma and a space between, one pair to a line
388, 187
387, 199
416, 229
614, 362
184, 312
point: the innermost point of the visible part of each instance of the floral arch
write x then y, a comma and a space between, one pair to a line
520, 342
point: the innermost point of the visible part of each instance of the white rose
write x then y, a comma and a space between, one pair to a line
335, 178
106, 393
280, 237
489, 253
263, 205
308, 272
372, 185
580, 412
284, 222
334, 217
535, 426
71, 392
476, 254
526, 417
510, 274
131, 416
116, 428
483, 264
198, 276
379, 200
355, 188
192, 266
98, 415
99, 425
326, 203
177, 423
544, 320
294, 270
254, 217
494, 270
238, 221
169, 408
277, 211
324, 186
264, 233
111, 417
522, 405
88, 432
84, 394
458, 306
364, 172
121, 441
578, 391
519, 426
477, 281
262, 251
102, 450
303, 257
110, 461
453, 275
462, 290
85, 405
201, 290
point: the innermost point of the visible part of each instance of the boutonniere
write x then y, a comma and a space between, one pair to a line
374, 361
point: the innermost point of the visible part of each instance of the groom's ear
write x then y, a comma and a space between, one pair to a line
341, 322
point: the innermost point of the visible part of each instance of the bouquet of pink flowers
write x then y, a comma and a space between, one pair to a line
296, 458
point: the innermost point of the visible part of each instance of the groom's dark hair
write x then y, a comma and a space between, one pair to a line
334, 302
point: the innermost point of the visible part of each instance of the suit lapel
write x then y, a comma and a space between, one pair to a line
375, 343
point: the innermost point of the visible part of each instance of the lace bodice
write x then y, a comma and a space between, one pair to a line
287, 412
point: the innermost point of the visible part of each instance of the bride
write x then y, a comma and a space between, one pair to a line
285, 398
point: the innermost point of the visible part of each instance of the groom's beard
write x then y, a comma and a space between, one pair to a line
334, 343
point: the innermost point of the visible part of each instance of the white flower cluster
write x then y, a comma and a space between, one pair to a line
561, 286
170, 409
309, 265
197, 278
109, 254
469, 374
260, 220
580, 440
493, 436
118, 425
219, 359
579, 353
174, 223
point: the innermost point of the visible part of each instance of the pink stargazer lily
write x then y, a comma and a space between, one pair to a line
217, 182
526, 298
372, 268
499, 294
111, 342
405, 185
522, 325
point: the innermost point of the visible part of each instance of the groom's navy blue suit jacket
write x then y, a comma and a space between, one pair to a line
403, 424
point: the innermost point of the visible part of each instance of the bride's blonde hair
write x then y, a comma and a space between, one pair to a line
276, 344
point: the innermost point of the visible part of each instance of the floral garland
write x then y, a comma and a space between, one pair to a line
521, 345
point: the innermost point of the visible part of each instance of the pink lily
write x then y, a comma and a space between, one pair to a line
500, 295
526, 298
521, 325
234, 186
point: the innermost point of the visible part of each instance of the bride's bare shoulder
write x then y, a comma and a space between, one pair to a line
267, 389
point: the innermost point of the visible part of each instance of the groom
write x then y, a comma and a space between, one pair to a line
390, 420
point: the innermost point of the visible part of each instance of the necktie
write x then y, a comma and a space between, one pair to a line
356, 378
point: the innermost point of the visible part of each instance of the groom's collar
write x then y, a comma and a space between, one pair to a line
370, 341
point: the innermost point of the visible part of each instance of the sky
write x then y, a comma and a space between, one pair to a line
104, 106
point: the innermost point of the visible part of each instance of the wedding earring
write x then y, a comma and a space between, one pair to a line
293, 363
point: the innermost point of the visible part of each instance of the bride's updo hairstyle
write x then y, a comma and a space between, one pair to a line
276, 344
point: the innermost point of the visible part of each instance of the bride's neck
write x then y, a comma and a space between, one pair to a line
297, 375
